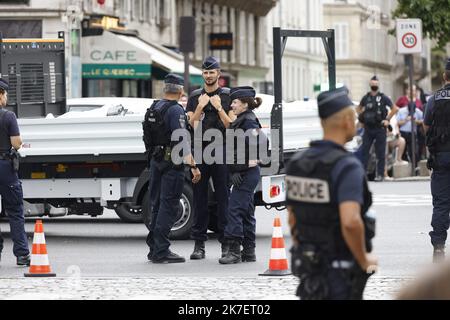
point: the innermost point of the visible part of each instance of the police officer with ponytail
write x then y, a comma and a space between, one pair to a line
245, 174
328, 201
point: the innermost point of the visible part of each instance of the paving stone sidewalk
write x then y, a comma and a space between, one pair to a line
173, 288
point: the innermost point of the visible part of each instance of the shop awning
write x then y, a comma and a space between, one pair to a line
114, 55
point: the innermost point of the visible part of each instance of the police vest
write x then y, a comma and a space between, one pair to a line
241, 159
316, 211
374, 111
156, 132
438, 135
5, 140
211, 118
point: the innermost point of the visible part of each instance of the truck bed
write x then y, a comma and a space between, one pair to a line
119, 138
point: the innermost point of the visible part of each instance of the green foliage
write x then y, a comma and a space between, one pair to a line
435, 15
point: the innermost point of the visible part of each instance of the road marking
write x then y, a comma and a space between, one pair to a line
402, 200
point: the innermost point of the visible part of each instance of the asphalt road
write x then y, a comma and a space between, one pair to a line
105, 247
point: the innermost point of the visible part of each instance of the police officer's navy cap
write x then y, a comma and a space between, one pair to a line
330, 102
4, 85
242, 92
210, 63
174, 79
447, 66
374, 78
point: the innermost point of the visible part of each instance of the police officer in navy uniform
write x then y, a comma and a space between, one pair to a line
437, 127
245, 174
328, 199
375, 118
10, 186
166, 177
209, 108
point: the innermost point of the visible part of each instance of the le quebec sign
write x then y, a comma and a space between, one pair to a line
111, 56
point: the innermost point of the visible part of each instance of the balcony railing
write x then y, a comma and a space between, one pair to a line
257, 7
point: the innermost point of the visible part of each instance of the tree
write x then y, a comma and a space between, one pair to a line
435, 15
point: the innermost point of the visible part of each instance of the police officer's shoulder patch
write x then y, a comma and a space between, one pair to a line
182, 121
307, 189
196, 93
225, 90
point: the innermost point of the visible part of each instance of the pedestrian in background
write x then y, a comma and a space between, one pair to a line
404, 100
373, 114
437, 127
10, 185
404, 122
183, 101
328, 199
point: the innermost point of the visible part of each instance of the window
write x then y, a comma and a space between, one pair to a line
146, 9
342, 40
141, 10
21, 28
27, 2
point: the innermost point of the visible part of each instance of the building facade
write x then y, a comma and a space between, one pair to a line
365, 48
304, 60
246, 63
125, 47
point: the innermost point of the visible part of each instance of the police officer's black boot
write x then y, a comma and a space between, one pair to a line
439, 253
199, 250
234, 253
225, 248
248, 254
24, 261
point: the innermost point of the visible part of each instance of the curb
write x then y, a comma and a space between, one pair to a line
406, 179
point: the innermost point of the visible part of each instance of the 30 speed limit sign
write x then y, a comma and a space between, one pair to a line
409, 36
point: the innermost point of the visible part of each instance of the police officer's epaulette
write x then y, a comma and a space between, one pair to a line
225, 90
196, 92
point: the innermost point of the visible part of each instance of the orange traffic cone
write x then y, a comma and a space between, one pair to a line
278, 264
39, 266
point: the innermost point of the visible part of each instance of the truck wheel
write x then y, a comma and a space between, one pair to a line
182, 228
128, 214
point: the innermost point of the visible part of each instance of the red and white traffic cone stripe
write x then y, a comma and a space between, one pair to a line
39, 265
278, 264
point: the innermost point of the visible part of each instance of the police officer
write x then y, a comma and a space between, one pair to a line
245, 173
10, 186
209, 108
374, 116
328, 198
437, 127
166, 177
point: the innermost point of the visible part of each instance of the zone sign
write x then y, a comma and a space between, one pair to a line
409, 36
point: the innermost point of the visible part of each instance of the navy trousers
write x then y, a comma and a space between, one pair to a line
379, 136
440, 190
165, 189
241, 223
219, 175
12, 200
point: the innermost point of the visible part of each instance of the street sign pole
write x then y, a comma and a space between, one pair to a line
186, 73
187, 45
409, 42
412, 112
